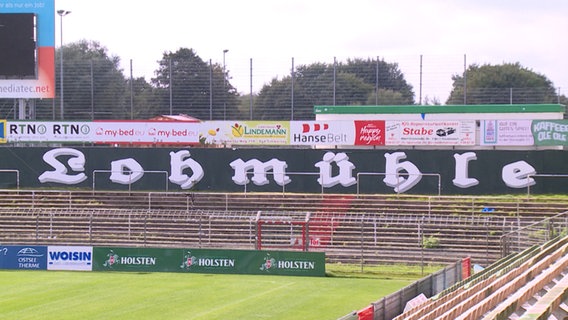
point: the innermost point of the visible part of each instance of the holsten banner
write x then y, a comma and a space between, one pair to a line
209, 261
219, 261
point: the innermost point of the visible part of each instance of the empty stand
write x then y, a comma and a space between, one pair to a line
368, 229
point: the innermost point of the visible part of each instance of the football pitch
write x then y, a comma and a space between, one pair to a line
122, 295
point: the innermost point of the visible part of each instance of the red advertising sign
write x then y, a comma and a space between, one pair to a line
370, 133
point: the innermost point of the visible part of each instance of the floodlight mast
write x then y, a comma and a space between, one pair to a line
61, 13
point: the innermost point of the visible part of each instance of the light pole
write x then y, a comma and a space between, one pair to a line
224, 86
61, 13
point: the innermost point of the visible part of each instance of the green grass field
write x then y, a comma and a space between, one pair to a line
118, 295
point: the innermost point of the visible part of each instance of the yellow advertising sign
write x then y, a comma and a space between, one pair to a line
245, 133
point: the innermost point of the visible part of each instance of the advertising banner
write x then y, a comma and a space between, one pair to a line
136, 259
245, 133
305, 133
209, 261
506, 133
23, 257
111, 132
146, 132
430, 133
43, 85
49, 131
550, 132
338, 133
76, 258
369, 133
321, 133
3, 131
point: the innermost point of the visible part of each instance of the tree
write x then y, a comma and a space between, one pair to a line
144, 100
501, 84
387, 76
186, 84
351, 83
94, 86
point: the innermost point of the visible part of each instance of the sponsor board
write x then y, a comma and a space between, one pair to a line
550, 132
506, 133
209, 261
369, 133
115, 132
306, 133
333, 133
146, 132
3, 131
430, 133
76, 258
321, 133
245, 133
49, 131
23, 257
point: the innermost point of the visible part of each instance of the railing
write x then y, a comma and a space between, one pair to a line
356, 230
392, 305
537, 232
282, 175
399, 183
130, 172
530, 176
17, 172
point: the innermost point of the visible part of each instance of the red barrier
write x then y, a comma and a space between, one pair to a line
366, 313
466, 268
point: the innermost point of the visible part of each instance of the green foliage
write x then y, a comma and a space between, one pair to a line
501, 84
94, 85
394, 271
198, 88
430, 242
351, 83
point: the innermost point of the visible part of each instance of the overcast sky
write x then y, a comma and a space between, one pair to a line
272, 32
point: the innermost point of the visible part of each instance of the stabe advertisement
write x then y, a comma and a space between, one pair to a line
430, 133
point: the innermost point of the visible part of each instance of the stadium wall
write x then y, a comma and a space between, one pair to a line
291, 170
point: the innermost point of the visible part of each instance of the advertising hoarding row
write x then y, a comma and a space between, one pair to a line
230, 133
295, 133
524, 132
86, 258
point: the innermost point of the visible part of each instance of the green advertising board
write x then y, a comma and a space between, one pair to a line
550, 132
209, 261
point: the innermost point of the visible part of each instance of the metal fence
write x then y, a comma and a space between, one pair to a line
393, 305
539, 232
90, 93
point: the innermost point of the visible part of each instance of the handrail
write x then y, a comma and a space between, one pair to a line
529, 176
403, 174
527, 227
132, 171
283, 173
17, 176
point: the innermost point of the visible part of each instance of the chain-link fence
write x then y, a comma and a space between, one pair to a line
257, 89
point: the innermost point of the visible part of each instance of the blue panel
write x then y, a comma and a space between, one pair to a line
23, 257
